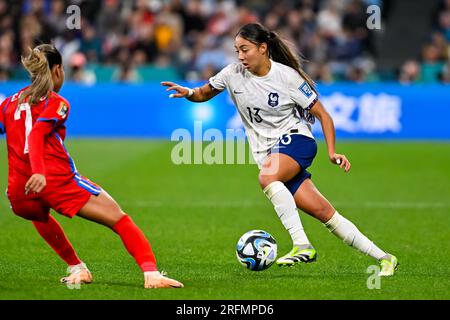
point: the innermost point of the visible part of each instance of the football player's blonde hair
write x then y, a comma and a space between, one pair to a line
38, 64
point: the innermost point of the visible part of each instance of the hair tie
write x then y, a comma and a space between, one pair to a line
271, 36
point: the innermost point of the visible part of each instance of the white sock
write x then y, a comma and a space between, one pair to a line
286, 209
152, 274
76, 267
347, 231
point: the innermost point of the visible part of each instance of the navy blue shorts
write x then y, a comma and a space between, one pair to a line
302, 149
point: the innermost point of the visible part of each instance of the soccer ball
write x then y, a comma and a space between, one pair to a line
256, 250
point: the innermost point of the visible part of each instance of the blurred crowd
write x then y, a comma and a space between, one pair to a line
130, 40
434, 63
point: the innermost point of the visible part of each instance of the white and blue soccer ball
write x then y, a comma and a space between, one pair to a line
256, 250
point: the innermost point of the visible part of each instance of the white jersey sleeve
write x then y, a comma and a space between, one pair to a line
220, 80
301, 92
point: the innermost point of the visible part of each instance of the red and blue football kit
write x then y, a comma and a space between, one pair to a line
35, 139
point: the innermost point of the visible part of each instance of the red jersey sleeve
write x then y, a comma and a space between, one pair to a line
36, 146
53, 115
56, 111
2, 116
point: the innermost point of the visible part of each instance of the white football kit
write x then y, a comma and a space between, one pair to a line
269, 106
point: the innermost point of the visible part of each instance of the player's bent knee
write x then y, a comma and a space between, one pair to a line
117, 216
31, 216
30, 210
115, 213
112, 204
323, 212
265, 180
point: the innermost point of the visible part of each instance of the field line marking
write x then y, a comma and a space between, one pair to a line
249, 204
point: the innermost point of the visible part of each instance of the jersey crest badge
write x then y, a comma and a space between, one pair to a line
62, 110
273, 99
306, 89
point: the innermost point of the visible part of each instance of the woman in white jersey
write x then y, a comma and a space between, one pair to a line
278, 104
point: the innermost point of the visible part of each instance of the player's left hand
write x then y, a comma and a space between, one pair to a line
340, 160
35, 184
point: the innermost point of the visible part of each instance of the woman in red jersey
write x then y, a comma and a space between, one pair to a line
43, 176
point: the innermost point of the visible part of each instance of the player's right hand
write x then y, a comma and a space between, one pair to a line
35, 184
181, 92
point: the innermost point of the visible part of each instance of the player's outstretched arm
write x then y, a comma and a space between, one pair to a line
200, 94
326, 121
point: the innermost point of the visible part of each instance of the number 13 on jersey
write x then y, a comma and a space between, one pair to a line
254, 115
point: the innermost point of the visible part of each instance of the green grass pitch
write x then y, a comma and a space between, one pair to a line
397, 193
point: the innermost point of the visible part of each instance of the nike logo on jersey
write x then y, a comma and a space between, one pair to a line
237, 92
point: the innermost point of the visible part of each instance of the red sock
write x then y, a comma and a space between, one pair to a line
53, 233
136, 243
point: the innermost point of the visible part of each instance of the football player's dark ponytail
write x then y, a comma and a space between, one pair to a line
279, 50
